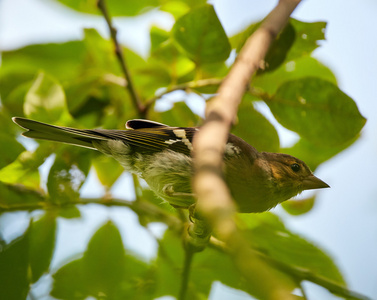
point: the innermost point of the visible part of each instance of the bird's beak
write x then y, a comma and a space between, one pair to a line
311, 183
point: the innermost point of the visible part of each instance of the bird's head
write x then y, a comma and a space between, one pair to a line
291, 175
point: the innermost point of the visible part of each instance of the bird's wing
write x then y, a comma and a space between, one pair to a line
153, 139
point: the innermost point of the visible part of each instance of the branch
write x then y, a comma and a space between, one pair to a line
297, 272
176, 225
184, 86
214, 199
189, 254
119, 53
140, 207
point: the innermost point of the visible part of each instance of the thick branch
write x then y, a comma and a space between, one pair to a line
214, 199
119, 53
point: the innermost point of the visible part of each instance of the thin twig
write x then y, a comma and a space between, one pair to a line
119, 53
184, 86
189, 254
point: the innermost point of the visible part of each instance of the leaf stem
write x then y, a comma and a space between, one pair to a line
119, 54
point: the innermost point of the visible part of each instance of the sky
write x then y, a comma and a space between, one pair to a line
344, 219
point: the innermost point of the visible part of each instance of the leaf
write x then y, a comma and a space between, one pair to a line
45, 100
14, 101
255, 129
25, 168
11, 196
277, 53
69, 282
42, 243
108, 170
317, 110
104, 271
307, 37
60, 60
305, 66
10, 149
268, 234
296, 40
158, 36
207, 267
179, 115
104, 260
67, 174
203, 41
315, 154
299, 207
14, 282
116, 8
174, 62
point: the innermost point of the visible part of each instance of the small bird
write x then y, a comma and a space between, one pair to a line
161, 154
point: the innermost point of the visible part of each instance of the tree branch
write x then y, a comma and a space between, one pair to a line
214, 199
184, 86
176, 225
119, 53
298, 273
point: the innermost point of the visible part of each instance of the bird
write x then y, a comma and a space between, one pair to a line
162, 156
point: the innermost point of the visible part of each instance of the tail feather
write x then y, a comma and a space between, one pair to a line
43, 131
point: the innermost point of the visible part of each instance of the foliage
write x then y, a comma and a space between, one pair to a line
80, 83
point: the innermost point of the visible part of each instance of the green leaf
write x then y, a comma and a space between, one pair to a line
116, 8
177, 8
315, 154
317, 110
295, 69
201, 35
255, 129
108, 170
179, 115
277, 53
296, 40
158, 36
45, 100
267, 234
104, 261
207, 267
14, 282
168, 57
25, 168
60, 60
42, 243
307, 37
69, 282
13, 196
14, 101
10, 149
299, 207
104, 271
70, 212
68, 173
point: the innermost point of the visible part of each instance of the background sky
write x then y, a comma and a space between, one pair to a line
344, 219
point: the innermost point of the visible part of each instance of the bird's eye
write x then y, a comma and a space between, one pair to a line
295, 167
